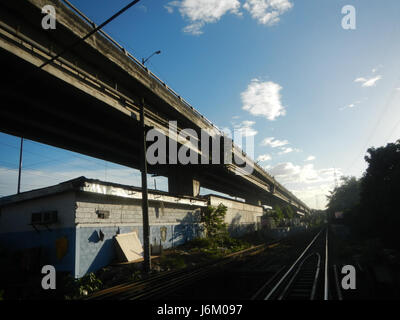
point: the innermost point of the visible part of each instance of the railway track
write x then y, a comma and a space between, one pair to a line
303, 280
163, 283
242, 275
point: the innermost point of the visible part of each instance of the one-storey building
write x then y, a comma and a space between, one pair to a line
73, 224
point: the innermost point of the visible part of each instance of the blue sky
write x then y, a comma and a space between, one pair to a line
313, 95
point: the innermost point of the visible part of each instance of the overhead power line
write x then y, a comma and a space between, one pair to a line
89, 34
393, 92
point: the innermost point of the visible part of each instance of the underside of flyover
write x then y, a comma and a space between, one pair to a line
40, 106
47, 110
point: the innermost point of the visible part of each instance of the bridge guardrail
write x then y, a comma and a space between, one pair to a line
136, 61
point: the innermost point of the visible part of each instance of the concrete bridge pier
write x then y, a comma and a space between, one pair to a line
253, 200
181, 182
272, 202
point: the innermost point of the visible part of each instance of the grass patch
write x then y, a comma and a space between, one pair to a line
173, 261
222, 244
200, 250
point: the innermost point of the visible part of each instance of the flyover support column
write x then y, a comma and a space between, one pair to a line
253, 200
181, 182
271, 202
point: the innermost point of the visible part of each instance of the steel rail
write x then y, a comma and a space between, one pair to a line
314, 288
171, 279
326, 282
292, 267
260, 290
173, 284
288, 287
338, 290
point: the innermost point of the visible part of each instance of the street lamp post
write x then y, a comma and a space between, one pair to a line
147, 59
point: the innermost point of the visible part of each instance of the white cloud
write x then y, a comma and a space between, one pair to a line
314, 196
200, 12
286, 150
360, 79
305, 181
398, 89
245, 128
171, 5
143, 8
263, 99
267, 12
287, 172
374, 70
194, 28
310, 158
264, 157
351, 105
370, 82
274, 143
248, 123
49, 176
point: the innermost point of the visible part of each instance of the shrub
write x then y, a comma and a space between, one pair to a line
86, 285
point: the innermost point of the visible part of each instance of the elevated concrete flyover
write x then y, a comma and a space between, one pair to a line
88, 101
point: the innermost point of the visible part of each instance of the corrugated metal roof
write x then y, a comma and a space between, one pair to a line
84, 184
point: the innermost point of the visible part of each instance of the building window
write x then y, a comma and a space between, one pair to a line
103, 214
45, 217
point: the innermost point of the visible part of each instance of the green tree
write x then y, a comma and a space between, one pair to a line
380, 191
289, 212
213, 220
277, 214
344, 197
315, 218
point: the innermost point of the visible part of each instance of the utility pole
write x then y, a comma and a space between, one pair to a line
336, 184
145, 201
20, 166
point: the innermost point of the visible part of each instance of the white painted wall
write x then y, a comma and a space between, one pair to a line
124, 211
17, 217
238, 212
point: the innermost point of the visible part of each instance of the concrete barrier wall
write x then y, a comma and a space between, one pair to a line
240, 217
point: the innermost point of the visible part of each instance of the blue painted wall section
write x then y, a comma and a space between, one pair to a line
46, 240
94, 253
